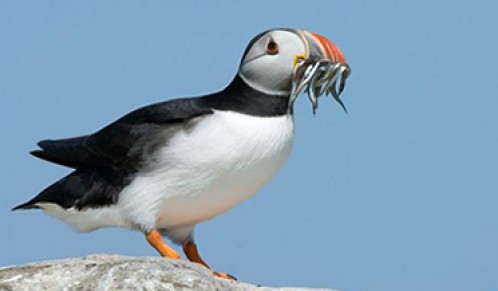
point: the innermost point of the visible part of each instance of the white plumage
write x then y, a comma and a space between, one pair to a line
199, 174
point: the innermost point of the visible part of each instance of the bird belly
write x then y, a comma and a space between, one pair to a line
201, 173
84, 220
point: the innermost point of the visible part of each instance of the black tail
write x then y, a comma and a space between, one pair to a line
84, 187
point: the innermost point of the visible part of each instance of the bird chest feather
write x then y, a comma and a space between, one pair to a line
209, 169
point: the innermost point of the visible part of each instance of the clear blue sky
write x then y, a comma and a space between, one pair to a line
402, 194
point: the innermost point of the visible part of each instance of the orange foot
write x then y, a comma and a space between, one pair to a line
224, 276
190, 250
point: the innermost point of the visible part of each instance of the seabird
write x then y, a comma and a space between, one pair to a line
166, 167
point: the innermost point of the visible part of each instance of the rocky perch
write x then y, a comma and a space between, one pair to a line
113, 272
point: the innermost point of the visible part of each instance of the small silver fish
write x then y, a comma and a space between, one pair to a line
317, 78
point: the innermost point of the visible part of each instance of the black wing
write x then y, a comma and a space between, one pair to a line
127, 141
105, 161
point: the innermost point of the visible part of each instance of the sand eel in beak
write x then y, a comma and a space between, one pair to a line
166, 167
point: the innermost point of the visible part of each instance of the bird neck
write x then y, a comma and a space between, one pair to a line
240, 97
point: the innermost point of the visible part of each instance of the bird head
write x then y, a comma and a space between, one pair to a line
277, 62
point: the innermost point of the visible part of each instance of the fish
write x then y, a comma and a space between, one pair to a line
316, 78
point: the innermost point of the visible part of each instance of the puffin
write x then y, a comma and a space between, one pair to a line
166, 167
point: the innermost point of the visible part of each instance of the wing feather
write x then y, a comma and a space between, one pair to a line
126, 142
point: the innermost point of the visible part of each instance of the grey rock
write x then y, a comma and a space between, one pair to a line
113, 272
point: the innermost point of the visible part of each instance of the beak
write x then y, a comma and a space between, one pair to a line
319, 48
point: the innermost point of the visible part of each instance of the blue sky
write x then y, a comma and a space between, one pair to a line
401, 194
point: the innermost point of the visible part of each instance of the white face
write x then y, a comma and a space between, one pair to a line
269, 61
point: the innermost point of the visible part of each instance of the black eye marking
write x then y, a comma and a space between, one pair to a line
272, 47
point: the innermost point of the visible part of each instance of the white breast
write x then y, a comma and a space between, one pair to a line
207, 170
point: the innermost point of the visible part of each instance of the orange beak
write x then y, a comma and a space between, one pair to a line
319, 47
330, 50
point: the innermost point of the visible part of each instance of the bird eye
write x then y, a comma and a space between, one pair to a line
272, 47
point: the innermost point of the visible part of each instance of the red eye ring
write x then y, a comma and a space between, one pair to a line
272, 47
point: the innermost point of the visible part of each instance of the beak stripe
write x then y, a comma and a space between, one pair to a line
330, 49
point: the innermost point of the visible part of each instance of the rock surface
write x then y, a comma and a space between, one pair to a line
113, 272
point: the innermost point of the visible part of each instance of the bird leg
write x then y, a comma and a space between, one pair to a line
190, 250
155, 240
